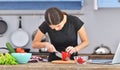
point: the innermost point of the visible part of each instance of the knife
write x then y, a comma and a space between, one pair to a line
58, 54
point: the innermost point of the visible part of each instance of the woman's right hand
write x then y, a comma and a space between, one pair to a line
50, 47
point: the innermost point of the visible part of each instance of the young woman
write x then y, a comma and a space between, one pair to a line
62, 29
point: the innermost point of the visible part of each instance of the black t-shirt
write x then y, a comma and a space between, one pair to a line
65, 37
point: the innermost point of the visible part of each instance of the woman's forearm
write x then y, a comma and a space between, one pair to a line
38, 44
81, 46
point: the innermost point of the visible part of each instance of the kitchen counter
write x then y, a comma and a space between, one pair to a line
51, 66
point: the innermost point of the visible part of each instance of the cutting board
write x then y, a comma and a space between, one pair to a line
63, 62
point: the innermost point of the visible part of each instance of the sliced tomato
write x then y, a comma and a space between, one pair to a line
80, 60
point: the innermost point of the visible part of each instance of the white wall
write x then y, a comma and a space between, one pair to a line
102, 26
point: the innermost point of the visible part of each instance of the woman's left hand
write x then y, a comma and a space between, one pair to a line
71, 49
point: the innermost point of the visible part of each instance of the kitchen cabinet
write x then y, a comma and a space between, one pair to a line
40, 4
107, 4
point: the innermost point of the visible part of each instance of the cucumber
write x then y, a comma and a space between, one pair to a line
10, 48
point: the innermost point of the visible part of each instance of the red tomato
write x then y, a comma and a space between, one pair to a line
20, 50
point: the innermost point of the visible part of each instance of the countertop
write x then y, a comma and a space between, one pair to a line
51, 66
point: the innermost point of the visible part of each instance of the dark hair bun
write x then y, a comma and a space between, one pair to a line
53, 16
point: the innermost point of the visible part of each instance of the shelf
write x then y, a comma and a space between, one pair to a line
91, 56
101, 56
34, 12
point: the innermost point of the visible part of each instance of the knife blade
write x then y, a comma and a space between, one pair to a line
58, 54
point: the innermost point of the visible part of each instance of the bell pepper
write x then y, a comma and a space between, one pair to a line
65, 55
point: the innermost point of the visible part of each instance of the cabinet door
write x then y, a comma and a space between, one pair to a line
108, 3
40, 4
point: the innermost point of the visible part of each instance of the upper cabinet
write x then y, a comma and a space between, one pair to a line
107, 4
40, 4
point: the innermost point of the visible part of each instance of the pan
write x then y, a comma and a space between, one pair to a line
20, 38
3, 26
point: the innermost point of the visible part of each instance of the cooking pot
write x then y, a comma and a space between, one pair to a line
102, 49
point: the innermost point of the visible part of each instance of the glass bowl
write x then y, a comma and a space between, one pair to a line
81, 59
